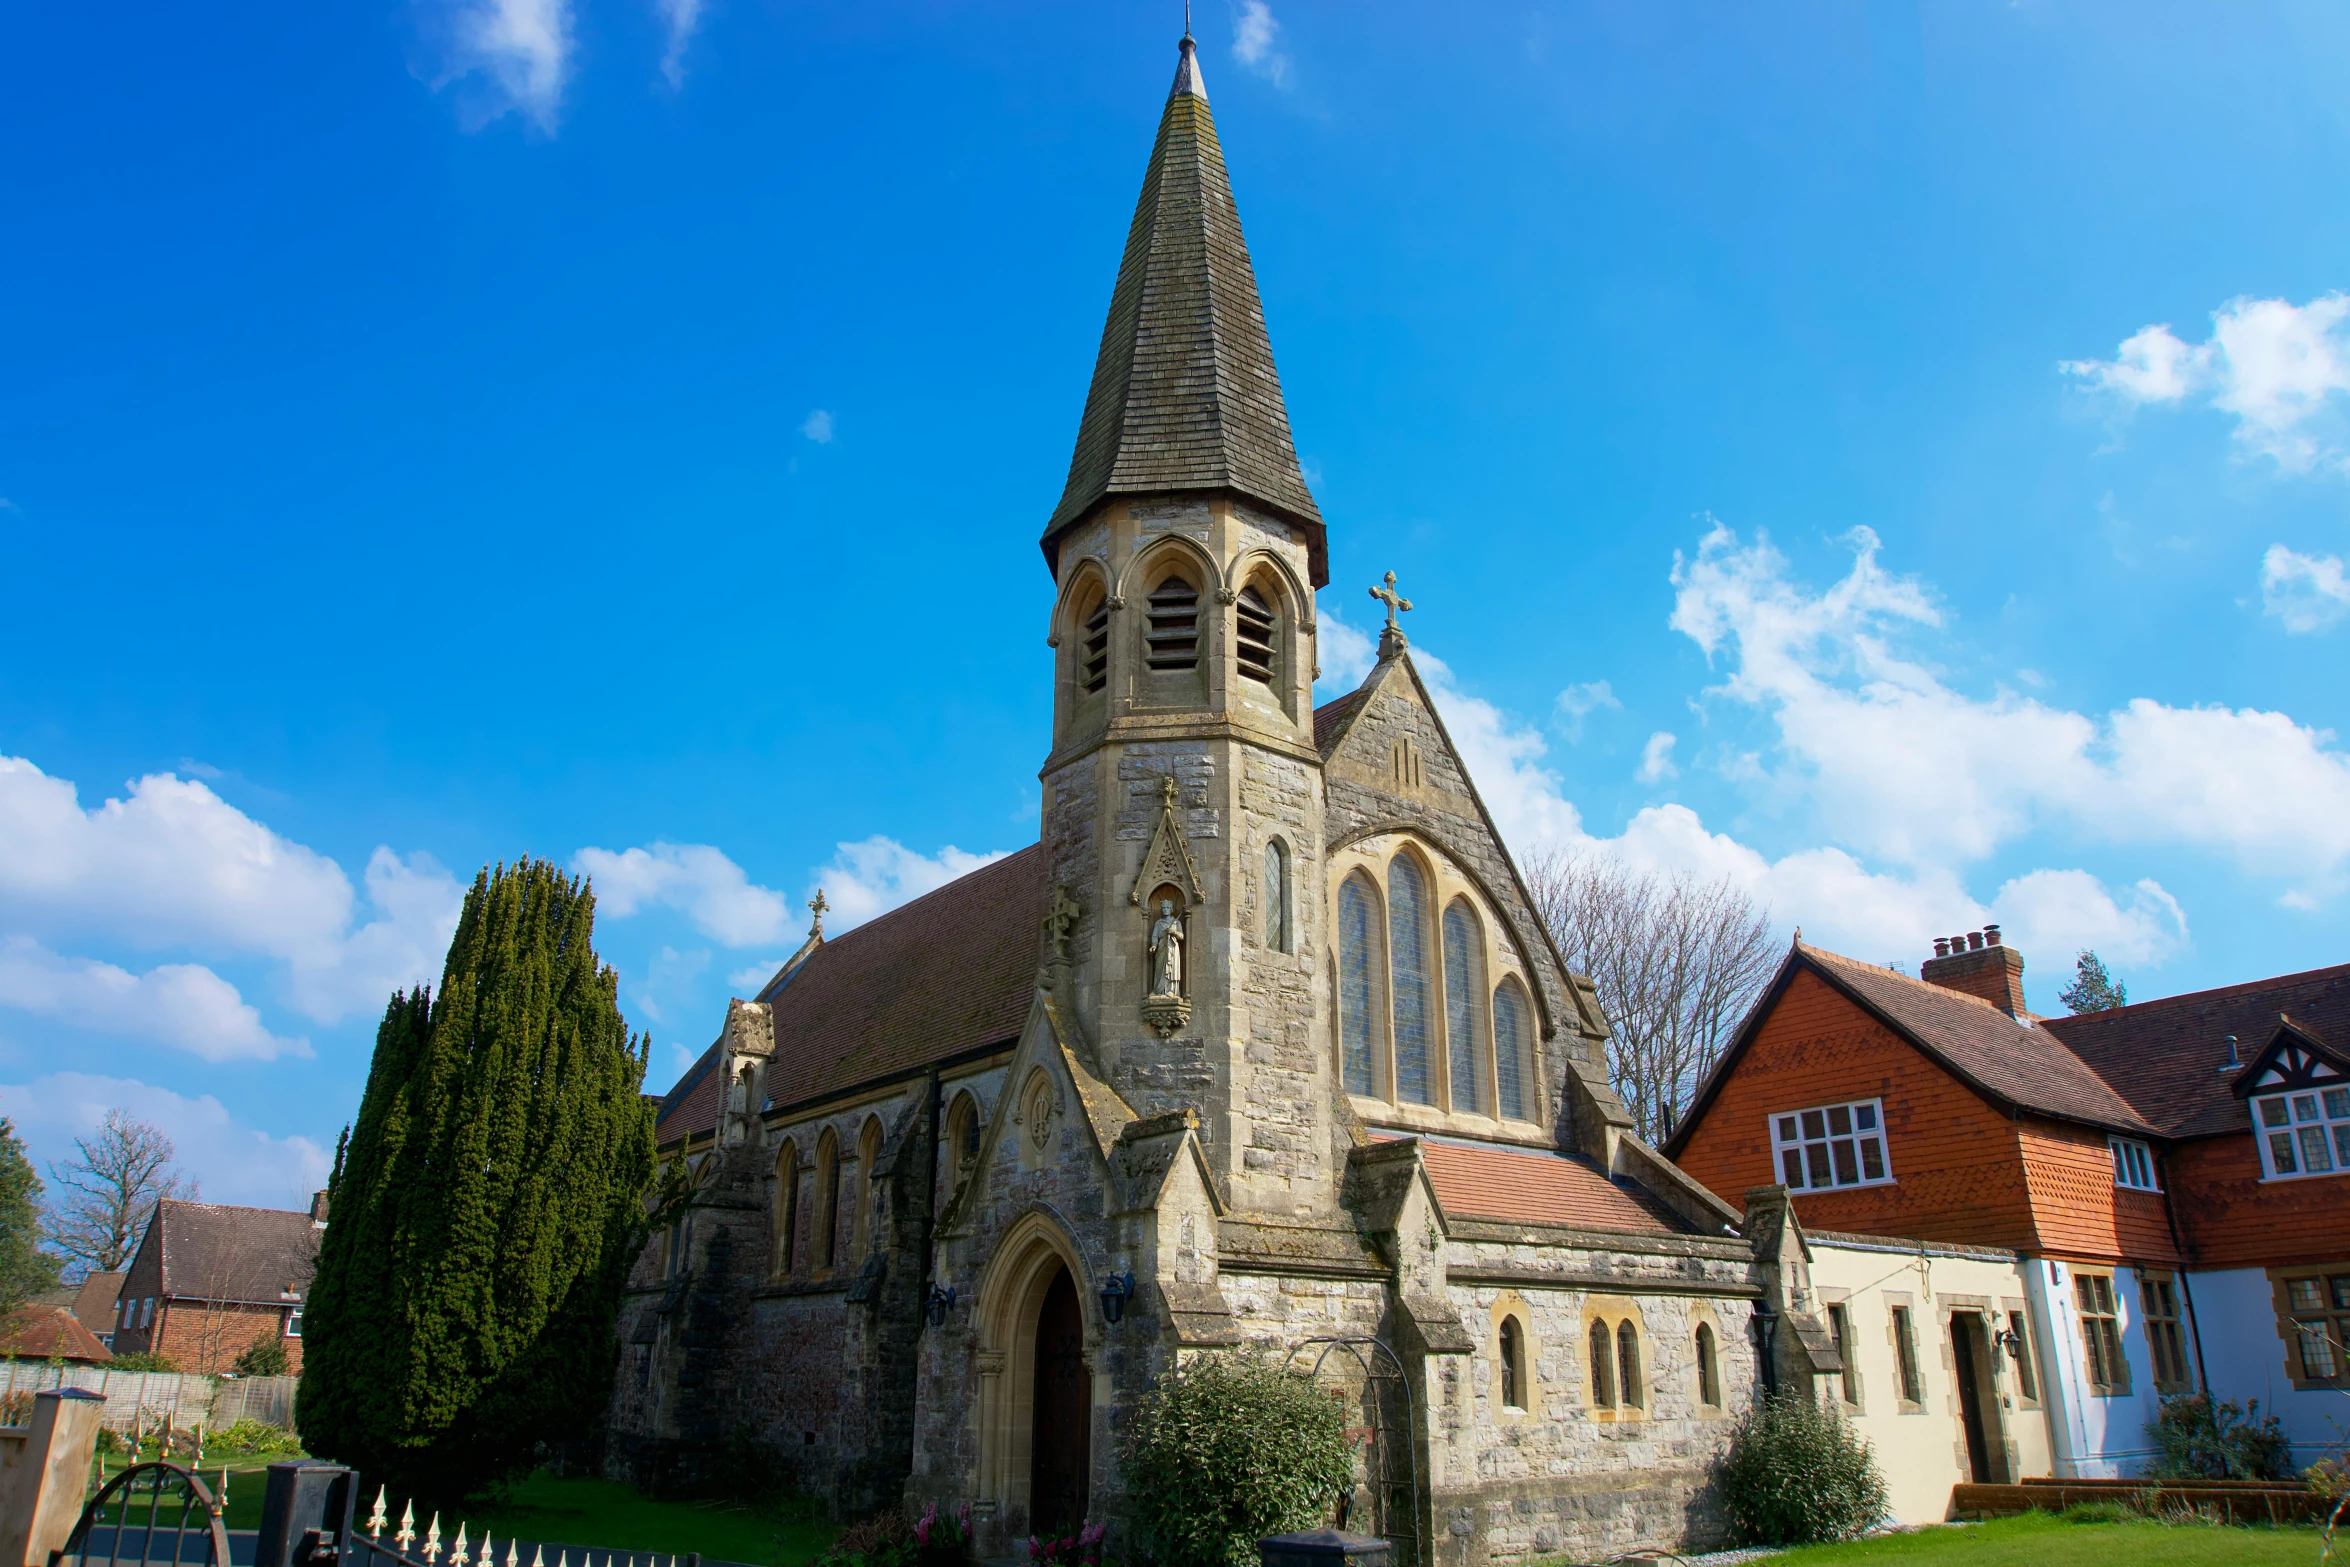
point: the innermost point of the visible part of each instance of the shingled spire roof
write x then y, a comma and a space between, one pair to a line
1184, 394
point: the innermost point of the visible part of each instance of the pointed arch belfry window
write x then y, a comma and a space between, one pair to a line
1510, 1067
1093, 650
1362, 1002
1464, 1006
1257, 635
1171, 637
1415, 998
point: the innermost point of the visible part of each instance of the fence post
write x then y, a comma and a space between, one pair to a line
41, 1496
305, 1513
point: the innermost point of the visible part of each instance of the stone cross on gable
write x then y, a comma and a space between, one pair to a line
816, 908
1392, 637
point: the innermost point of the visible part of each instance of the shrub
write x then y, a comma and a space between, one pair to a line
264, 1357
142, 1360
2197, 1439
883, 1540
1795, 1474
251, 1436
1227, 1451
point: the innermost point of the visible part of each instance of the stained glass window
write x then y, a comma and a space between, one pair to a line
1464, 1005
1276, 897
1407, 918
1358, 985
1509, 1049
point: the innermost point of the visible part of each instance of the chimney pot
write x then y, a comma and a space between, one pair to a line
1991, 934
1941, 946
1974, 941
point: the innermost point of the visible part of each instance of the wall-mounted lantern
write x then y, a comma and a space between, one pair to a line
940, 1303
2011, 1341
1117, 1289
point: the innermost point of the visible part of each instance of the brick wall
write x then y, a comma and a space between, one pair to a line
205, 1338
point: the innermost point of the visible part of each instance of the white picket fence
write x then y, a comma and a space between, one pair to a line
155, 1398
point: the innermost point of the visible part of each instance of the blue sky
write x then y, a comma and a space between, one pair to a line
1890, 454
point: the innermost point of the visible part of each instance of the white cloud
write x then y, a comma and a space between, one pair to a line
817, 427
680, 17
878, 874
233, 1163
751, 977
183, 1005
1256, 42
1504, 758
697, 880
174, 865
2307, 592
2274, 366
1656, 759
515, 53
1579, 701
2064, 912
1896, 763
1346, 654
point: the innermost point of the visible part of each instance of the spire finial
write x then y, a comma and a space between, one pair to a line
816, 908
1187, 22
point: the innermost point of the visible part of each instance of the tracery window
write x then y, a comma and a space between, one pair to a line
1464, 1005
1510, 1034
1276, 896
1407, 919
1628, 1384
1360, 1003
1257, 630
1171, 638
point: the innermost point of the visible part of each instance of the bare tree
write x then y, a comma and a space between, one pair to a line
1677, 962
107, 1193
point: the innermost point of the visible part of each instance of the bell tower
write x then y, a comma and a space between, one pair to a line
1182, 800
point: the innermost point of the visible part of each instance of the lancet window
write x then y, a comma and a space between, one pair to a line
1407, 919
1276, 896
1171, 639
1510, 1034
1464, 1005
1362, 1002
787, 1208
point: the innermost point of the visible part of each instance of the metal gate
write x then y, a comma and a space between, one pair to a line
1370, 1383
156, 1512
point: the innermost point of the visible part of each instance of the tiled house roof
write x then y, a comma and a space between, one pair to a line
1184, 394
2166, 1056
218, 1253
1523, 1186
42, 1332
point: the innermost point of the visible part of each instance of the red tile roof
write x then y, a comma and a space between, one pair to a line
1525, 1187
950, 973
1330, 718
2166, 1056
48, 1333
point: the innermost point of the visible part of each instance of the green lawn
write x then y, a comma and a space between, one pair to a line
608, 1513
2043, 1540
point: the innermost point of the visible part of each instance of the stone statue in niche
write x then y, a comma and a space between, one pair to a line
1167, 951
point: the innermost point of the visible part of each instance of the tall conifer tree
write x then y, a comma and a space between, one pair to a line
489, 1205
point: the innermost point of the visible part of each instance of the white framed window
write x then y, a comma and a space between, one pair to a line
2133, 1165
2304, 1133
294, 1323
1831, 1146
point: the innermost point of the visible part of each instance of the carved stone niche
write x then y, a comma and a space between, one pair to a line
1167, 960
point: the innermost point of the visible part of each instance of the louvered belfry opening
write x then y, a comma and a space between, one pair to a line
1093, 659
1257, 630
1172, 642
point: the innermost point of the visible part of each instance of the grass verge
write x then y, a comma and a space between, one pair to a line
2045, 1540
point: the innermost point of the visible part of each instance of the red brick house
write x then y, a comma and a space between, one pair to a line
208, 1280
2117, 1149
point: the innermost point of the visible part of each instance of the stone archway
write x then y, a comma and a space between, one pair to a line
1036, 1267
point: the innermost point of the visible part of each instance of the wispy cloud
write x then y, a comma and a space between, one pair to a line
1656, 759
681, 18
508, 57
2307, 592
817, 427
1579, 701
231, 1162
2275, 367
1256, 41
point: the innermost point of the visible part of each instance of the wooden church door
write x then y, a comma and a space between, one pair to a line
1060, 1456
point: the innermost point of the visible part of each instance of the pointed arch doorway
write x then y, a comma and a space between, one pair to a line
1059, 1456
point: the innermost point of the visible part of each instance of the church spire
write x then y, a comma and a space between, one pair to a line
1185, 396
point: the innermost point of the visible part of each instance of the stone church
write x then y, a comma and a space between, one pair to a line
1260, 1045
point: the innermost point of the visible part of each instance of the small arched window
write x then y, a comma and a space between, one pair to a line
868, 1160
1362, 1004
1171, 640
1603, 1366
1709, 1375
1513, 1364
787, 1208
1464, 1006
1257, 640
962, 1138
1509, 1050
827, 1202
1408, 922
1276, 896
1628, 1364
1093, 649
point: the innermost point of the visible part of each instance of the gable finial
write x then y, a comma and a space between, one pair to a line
1391, 639
816, 908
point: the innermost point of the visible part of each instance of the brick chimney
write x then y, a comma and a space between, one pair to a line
1980, 965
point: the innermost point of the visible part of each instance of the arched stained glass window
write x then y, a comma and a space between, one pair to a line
1464, 1007
1359, 998
1276, 896
1509, 1050
1628, 1365
1603, 1367
1407, 919
1513, 1364
1709, 1376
